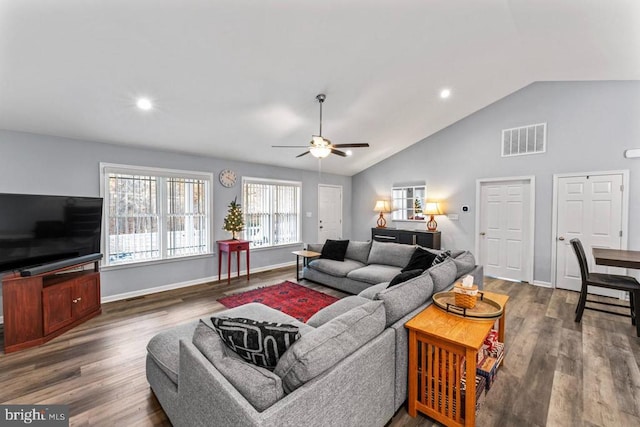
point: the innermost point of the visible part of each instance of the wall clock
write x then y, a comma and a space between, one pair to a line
227, 178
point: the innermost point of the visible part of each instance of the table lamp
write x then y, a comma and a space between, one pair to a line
382, 206
432, 208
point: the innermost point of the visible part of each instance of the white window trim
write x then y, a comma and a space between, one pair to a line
106, 168
250, 179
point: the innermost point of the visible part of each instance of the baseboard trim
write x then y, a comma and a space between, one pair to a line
542, 284
169, 287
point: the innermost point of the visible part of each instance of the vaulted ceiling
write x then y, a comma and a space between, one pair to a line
231, 78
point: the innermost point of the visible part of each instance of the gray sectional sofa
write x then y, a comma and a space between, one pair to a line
369, 263
349, 368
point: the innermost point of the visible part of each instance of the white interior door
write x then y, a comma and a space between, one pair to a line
589, 207
329, 212
506, 229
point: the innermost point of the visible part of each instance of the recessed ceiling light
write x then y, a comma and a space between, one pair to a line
445, 93
144, 104
348, 152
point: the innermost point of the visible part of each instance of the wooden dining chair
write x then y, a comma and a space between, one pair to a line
609, 281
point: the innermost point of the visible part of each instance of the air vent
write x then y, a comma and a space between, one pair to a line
523, 140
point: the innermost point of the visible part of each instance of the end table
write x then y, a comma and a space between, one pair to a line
305, 260
440, 344
230, 246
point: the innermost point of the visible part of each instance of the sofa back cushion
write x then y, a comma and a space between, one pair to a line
443, 274
261, 387
395, 254
465, 262
402, 299
358, 251
336, 309
322, 348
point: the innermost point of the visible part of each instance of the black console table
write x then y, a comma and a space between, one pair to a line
428, 239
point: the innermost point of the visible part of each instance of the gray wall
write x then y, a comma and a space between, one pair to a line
39, 164
589, 125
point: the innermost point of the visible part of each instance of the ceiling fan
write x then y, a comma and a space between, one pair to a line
321, 147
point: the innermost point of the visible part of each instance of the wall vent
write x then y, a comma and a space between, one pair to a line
523, 140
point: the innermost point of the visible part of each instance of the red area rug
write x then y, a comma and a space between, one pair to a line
288, 297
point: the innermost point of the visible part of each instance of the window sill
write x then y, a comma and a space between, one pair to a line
155, 261
286, 245
409, 220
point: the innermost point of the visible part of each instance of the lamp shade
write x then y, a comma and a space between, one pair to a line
382, 206
432, 208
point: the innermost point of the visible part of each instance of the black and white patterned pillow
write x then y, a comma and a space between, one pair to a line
260, 343
441, 257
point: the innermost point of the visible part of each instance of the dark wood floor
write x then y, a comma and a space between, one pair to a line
556, 372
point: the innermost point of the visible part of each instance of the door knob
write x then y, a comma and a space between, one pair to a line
561, 238
482, 233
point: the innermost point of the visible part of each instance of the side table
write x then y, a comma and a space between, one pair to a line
439, 344
305, 260
230, 246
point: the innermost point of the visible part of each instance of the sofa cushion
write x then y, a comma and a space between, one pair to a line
358, 251
324, 347
334, 249
404, 276
261, 387
372, 291
443, 274
336, 309
257, 311
465, 262
374, 273
335, 268
406, 297
395, 254
257, 342
164, 348
421, 259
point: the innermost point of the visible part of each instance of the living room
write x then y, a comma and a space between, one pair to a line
223, 96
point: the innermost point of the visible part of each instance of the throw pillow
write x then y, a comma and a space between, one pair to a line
421, 259
404, 276
260, 343
441, 257
334, 249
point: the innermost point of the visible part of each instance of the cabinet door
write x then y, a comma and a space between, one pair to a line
86, 295
57, 307
407, 238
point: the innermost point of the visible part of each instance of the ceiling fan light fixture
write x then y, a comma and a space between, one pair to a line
320, 151
318, 140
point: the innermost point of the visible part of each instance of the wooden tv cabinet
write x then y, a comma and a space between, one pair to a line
38, 308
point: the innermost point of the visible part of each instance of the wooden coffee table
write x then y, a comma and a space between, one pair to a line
305, 260
442, 341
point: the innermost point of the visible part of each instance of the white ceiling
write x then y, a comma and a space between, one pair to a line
231, 78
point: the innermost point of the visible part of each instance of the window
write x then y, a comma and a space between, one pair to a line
271, 212
408, 203
154, 214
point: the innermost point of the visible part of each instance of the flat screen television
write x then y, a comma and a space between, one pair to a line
36, 230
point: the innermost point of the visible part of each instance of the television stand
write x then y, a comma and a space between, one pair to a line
40, 307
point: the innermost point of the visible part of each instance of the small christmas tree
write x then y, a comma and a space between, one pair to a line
234, 221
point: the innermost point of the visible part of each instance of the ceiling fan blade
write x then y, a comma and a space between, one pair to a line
358, 145
338, 152
289, 146
303, 154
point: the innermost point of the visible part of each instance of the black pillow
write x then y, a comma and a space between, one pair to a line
260, 343
421, 259
441, 257
404, 276
334, 249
